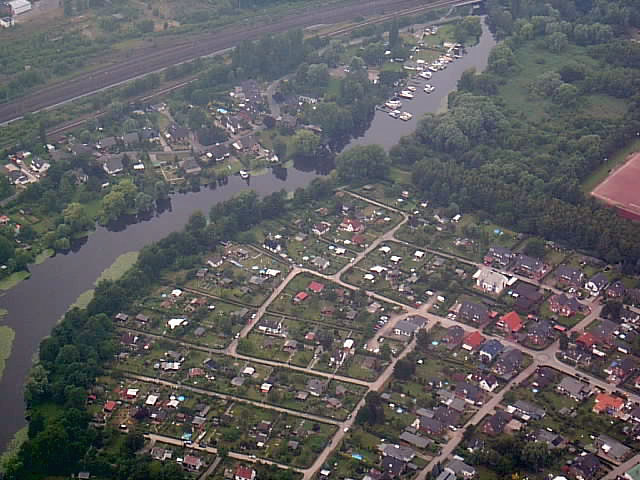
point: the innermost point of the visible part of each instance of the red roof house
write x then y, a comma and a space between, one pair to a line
300, 297
244, 473
510, 323
351, 225
473, 341
587, 340
316, 287
110, 406
606, 403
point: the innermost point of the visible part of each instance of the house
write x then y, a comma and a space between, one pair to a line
612, 448
112, 164
540, 332
510, 323
527, 296
131, 139
315, 287
573, 388
409, 326
565, 306
321, 228
460, 469
287, 121
490, 350
596, 283
220, 152
270, 326
244, 473
416, 440
616, 290
321, 263
316, 387
18, 7
474, 313
509, 364
109, 406
496, 423
485, 381
161, 454
177, 133
469, 393
107, 143
473, 341
300, 297
609, 404
351, 225
190, 166
490, 281
604, 331
400, 452
431, 426
454, 336
249, 143
529, 266
585, 467
622, 368
393, 467
569, 276
527, 410
499, 255
553, 440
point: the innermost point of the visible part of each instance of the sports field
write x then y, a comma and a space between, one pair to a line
621, 189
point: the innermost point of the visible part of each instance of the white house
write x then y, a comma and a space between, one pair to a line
18, 7
490, 281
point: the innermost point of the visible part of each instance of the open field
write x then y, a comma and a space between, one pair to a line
602, 172
620, 188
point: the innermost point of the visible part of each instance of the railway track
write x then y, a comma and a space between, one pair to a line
149, 60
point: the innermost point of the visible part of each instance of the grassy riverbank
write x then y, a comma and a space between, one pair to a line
6, 340
123, 263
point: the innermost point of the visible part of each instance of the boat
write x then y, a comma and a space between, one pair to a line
433, 68
411, 89
406, 94
406, 116
244, 174
393, 104
394, 113
426, 75
429, 88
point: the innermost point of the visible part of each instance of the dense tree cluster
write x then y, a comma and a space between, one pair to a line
509, 454
523, 173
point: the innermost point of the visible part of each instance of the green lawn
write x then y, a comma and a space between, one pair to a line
603, 171
13, 279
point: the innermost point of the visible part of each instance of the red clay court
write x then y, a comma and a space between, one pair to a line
621, 189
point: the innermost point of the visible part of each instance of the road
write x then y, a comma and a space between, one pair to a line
168, 51
214, 451
224, 396
620, 470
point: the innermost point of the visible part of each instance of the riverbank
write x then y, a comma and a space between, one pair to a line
118, 268
6, 341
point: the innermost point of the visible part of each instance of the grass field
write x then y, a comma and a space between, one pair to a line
603, 171
6, 340
13, 279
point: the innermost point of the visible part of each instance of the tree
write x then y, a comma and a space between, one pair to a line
144, 202
372, 412
535, 247
404, 369
363, 163
113, 206
318, 75
566, 95
557, 42
394, 36
7, 249
305, 145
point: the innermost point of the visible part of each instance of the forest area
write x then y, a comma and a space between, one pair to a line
523, 171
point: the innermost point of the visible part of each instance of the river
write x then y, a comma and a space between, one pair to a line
36, 304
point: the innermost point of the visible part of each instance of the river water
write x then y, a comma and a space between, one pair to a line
36, 304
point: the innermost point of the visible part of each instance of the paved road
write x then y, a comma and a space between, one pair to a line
168, 51
620, 470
